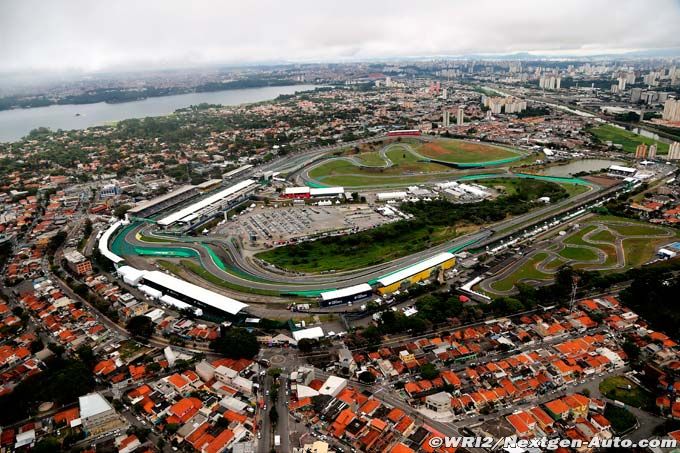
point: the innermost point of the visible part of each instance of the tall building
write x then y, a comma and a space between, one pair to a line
461, 115
674, 151
671, 110
445, 93
641, 151
445, 118
652, 152
622, 83
388, 81
635, 94
549, 82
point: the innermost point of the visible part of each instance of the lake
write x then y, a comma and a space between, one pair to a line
15, 124
578, 166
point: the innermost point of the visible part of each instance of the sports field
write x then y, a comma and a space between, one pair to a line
460, 151
629, 140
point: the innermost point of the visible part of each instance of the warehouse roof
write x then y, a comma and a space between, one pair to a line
207, 297
93, 404
320, 191
622, 169
296, 190
416, 268
222, 194
312, 333
344, 292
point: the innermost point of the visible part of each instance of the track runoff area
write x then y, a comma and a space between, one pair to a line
174, 211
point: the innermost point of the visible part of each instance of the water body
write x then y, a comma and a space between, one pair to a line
15, 124
578, 166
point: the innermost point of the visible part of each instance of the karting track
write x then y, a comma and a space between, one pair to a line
547, 259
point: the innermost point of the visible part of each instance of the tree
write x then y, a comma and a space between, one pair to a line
274, 415
121, 210
631, 349
237, 343
47, 445
86, 355
429, 371
140, 326
306, 345
367, 377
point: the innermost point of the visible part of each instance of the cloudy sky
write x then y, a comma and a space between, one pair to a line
95, 35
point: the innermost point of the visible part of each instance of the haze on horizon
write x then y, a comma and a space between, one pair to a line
86, 36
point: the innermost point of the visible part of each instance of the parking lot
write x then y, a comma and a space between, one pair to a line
268, 226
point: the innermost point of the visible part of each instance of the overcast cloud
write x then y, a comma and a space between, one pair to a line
93, 35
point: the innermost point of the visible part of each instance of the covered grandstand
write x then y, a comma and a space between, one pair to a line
189, 293
209, 205
103, 245
155, 205
415, 273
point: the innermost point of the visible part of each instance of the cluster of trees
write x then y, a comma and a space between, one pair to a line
533, 111
140, 326
236, 343
62, 382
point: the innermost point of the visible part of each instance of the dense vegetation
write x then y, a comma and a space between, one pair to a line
63, 382
434, 222
533, 111
236, 343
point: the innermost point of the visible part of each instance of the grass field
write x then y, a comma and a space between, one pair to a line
460, 151
509, 186
372, 159
577, 237
616, 388
578, 254
407, 168
328, 258
636, 230
555, 264
526, 271
629, 140
621, 419
603, 236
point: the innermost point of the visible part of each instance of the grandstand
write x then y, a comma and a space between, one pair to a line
190, 293
150, 207
209, 205
104, 244
415, 273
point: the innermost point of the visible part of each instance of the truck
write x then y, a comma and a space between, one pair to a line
277, 440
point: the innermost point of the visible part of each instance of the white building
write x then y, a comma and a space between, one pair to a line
97, 415
671, 110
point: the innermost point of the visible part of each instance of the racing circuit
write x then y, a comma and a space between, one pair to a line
221, 265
